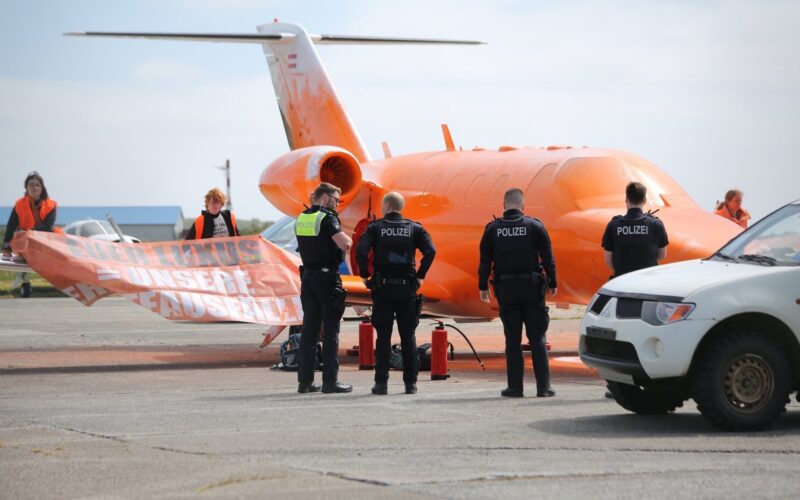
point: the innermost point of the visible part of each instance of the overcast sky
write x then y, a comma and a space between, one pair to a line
709, 91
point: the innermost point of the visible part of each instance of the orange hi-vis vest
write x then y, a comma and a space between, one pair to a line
25, 214
199, 224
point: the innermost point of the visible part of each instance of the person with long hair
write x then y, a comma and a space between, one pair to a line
213, 222
732, 209
35, 211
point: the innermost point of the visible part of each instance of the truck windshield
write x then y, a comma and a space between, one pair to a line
774, 240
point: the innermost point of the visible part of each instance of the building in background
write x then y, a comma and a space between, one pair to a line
158, 223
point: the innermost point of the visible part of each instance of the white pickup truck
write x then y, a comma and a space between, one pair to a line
724, 331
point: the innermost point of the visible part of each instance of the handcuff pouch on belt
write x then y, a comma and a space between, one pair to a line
418, 300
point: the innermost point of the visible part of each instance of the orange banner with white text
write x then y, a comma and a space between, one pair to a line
245, 279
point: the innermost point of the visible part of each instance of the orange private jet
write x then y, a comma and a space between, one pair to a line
574, 190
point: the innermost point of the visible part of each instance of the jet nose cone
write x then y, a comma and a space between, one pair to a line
695, 234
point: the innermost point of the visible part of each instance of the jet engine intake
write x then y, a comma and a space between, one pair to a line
289, 181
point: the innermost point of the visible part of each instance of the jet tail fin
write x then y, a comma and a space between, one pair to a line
312, 113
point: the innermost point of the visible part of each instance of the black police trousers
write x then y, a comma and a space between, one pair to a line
523, 303
388, 302
319, 309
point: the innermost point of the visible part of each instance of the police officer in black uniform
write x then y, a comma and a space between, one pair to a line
394, 285
515, 249
322, 246
637, 239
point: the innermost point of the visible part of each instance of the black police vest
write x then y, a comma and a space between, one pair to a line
394, 246
318, 250
635, 243
514, 249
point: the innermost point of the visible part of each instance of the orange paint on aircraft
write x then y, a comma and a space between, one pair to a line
455, 193
574, 191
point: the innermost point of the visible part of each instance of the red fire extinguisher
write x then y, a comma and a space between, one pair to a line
439, 353
366, 345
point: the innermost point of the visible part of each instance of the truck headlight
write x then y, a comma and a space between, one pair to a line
664, 313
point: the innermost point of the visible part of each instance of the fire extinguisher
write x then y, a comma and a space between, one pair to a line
439, 353
366, 345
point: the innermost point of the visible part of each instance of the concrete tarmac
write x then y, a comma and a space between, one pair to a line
112, 401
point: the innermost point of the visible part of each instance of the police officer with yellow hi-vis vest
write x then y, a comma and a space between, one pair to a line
322, 246
514, 249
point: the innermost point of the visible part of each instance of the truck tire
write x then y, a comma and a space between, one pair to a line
645, 400
742, 383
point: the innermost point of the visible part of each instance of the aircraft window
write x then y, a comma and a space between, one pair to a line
497, 191
474, 188
426, 196
593, 182
455, 185
536, 192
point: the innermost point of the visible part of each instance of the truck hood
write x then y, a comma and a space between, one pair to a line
683, 278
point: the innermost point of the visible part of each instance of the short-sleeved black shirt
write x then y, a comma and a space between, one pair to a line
634, 240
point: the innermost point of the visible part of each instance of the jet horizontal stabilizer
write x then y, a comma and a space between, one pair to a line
345, 39
189, 37
271, 37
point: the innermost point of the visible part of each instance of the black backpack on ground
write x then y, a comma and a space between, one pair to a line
288, 354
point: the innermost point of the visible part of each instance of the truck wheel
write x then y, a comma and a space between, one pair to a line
645, 400
742, 383
25, 290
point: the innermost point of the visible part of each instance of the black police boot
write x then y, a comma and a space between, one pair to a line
380, 389
509, 392
411, 388
328, 388
546, 393
304, 388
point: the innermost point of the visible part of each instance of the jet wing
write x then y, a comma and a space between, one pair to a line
15, 267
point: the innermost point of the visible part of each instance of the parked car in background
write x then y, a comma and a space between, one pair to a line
724, 331
97, 229
281, 233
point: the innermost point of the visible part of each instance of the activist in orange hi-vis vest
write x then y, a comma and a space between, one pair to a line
213, 222
34, 211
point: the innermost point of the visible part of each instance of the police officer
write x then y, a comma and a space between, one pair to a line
515, 249
394, 241
322, 246
635, 240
